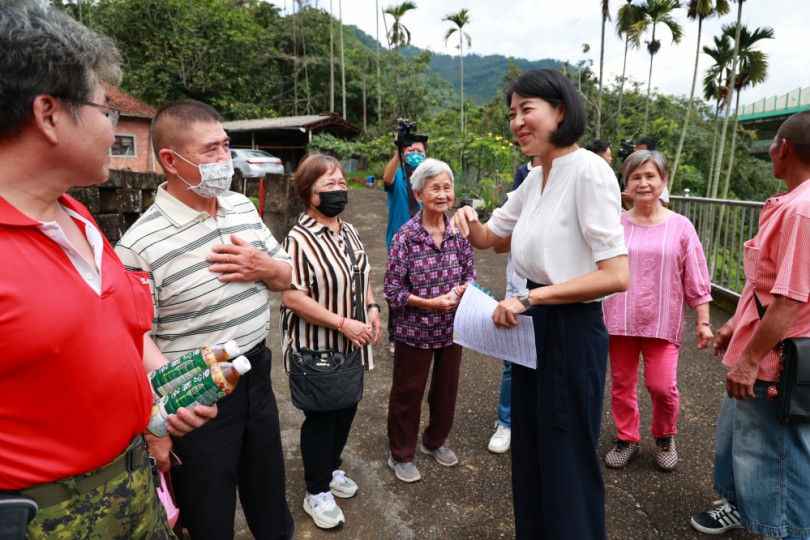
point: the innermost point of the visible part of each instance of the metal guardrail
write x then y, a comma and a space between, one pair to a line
723, 226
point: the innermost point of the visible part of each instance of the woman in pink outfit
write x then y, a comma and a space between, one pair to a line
667, 265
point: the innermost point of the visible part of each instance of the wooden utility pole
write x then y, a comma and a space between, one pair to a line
331, 60
379, 85
364, 100
342, 57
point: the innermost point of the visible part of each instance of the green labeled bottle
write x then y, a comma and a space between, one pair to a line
180, 370
206, 388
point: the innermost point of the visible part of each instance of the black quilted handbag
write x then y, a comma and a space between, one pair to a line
792, 401
329, 380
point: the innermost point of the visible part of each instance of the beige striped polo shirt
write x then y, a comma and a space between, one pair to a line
192, 307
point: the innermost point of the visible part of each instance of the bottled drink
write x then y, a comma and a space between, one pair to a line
166, 378
205, 388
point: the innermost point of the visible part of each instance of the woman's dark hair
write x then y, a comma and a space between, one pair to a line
598, 146
553, 87
312, 167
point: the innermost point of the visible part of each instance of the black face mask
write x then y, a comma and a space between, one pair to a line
333, 202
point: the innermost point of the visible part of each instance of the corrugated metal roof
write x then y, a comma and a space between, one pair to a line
289, 122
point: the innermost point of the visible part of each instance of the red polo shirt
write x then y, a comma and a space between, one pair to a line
73, 391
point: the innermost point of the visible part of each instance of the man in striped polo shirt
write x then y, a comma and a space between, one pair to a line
211, 261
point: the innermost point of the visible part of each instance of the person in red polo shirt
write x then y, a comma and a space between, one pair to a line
762, 466
75, 396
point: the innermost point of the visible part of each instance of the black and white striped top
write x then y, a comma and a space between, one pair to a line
322, 269
192, 307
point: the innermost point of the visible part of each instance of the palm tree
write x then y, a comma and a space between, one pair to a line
399, 35
700, 10
715, 182
753, 70
459, 19
628, 15
715, 87
605, 19
656, 12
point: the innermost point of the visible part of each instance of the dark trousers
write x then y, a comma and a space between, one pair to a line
556, 416
323, 437
411, 370
240, 448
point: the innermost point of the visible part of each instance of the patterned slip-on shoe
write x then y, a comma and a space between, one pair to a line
622, 453
665, 453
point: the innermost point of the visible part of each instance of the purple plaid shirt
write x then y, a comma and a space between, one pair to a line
416, 265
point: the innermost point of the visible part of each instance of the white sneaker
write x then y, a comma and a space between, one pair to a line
341, 486
501, 440
324, 511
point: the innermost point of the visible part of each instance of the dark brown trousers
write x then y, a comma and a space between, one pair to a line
411, 370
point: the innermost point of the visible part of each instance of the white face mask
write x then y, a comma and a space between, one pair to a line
215, 178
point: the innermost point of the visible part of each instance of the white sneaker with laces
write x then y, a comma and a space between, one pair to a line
341, 486
501, 440
323, 510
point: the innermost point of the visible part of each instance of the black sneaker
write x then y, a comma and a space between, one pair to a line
724, 518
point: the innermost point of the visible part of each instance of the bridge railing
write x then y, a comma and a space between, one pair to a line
723, 226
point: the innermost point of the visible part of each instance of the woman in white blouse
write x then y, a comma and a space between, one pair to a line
568, 241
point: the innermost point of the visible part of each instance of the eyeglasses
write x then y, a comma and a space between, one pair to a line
111, 113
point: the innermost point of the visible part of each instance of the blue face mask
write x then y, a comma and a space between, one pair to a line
415, 159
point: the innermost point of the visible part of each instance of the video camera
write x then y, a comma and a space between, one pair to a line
627, 148
405, 134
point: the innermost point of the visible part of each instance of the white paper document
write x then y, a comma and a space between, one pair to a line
473, 328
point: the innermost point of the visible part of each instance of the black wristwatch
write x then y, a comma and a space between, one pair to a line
523, 296
373, 306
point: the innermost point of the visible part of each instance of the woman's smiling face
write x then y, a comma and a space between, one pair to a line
644, 183
532, 120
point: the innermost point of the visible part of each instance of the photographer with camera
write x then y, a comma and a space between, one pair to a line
402, 205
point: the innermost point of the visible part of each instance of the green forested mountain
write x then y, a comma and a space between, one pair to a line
482, 74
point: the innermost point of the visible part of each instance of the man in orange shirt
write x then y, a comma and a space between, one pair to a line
762, 466
76, 399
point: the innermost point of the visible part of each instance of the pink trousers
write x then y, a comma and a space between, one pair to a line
660, 379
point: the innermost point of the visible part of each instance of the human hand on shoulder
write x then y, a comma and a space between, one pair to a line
462, 219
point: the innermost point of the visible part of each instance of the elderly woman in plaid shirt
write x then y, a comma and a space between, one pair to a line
429, 268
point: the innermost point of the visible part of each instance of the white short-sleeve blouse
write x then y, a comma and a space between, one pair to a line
561, 233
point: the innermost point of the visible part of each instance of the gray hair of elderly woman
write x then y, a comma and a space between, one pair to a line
639, 158
429, 169
46, 51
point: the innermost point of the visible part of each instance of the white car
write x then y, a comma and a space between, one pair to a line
249, 163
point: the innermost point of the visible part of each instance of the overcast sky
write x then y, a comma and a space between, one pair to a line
537, 29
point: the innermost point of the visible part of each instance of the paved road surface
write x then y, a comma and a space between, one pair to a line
474, 499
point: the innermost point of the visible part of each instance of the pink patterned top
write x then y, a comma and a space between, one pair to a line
666, 264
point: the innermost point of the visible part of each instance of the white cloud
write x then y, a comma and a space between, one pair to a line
536, 30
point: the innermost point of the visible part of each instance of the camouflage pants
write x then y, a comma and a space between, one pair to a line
126, 507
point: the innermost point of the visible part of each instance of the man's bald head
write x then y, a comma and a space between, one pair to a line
796, 129
172, 123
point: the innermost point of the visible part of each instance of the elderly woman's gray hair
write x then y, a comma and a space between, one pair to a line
46, 51
639, 158
428, 169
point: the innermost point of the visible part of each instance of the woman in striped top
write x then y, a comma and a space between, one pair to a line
318, 314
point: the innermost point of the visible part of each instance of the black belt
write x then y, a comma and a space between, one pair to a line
134, 458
